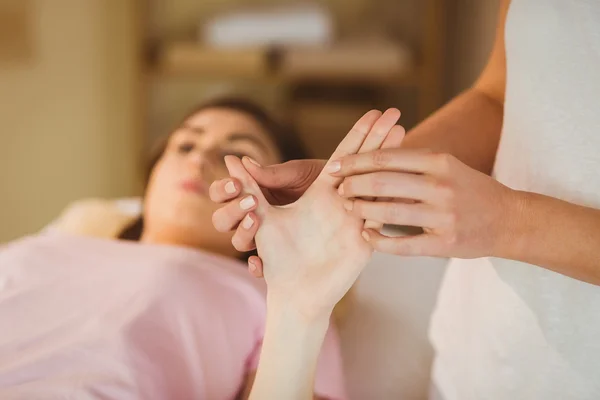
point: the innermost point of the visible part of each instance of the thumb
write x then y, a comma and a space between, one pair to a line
296, 174
249, 185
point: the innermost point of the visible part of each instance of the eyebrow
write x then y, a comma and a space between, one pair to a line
252, 138
234, 137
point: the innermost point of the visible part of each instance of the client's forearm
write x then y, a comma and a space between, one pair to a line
289, 355
468, 127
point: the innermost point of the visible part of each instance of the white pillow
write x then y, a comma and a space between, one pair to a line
97, 217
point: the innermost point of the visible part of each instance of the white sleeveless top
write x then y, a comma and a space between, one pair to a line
509, 330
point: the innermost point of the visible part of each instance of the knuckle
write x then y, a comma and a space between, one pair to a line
380, 159
451, 239
378, 184
445, 193
443, 161
393, 213
451, 220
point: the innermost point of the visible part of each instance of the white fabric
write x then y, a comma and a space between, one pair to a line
302, 24
384, 334
508, 330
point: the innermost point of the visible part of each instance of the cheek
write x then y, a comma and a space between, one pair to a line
160, 187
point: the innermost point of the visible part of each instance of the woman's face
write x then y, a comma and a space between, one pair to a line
177, 208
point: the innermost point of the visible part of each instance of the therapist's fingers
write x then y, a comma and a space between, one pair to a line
425, 244
391, 184
396, 213
224, 190
231, 214
243, 238
421, 161
255, 266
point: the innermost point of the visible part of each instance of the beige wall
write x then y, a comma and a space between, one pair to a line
67, 129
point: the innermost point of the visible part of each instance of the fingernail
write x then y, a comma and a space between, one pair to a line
230, 187
247, 203
365, 235
251, 266
349, 205
333, 167
253, 161
341, 190
247, 222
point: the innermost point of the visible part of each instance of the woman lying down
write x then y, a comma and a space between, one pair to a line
172, 316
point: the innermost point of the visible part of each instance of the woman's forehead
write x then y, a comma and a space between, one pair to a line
222, 119
231, 125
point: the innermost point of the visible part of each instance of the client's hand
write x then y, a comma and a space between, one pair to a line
281, 184
312, 249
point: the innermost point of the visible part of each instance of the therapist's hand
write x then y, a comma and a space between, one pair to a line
464, 213
280, 183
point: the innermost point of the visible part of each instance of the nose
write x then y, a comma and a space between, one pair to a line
197, 158
200, 160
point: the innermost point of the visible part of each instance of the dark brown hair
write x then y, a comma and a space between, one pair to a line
285, 138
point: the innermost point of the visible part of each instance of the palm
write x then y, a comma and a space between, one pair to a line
314, 243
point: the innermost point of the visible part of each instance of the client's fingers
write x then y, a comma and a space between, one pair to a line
231, 214
249, 186
243, 238
255, 266
224, 190
350, 144
380, 130
394, 138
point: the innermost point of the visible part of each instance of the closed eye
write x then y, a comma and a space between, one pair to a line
185, 147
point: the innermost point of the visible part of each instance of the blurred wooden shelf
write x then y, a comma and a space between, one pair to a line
388, 64
322, 90
192, 60
378, 62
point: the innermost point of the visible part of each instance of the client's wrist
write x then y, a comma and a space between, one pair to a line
290, 351
290, 309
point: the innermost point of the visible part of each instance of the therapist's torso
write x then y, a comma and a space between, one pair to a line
509, 330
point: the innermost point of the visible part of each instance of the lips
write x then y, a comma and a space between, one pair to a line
195, 186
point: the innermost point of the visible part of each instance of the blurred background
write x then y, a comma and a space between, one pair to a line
86, 85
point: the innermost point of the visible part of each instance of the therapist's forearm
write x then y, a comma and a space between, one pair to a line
468, 127
553, 234
290, 352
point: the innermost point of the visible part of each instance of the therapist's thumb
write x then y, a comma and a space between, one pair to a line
296, 174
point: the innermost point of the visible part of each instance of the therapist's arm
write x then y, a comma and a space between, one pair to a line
554, 234
469, 126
